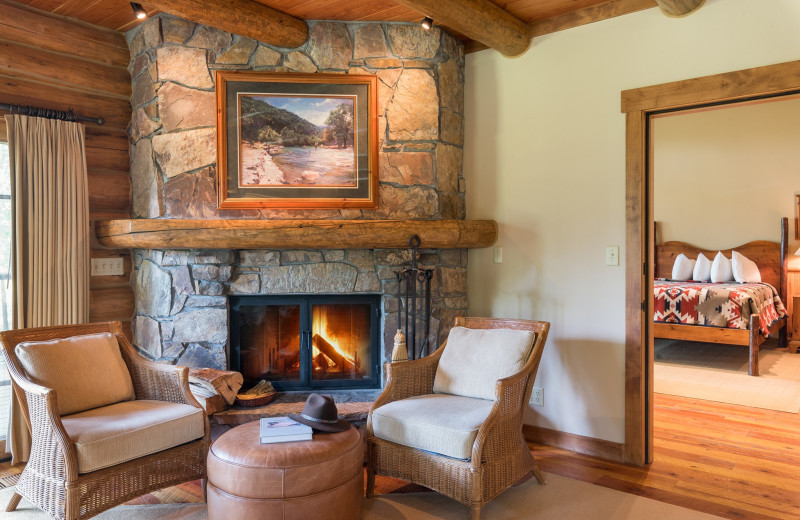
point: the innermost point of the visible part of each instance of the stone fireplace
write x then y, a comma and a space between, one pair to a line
183, 296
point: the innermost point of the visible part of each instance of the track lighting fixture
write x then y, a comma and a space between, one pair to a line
139, 11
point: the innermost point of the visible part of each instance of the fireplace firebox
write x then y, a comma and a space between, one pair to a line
306, 342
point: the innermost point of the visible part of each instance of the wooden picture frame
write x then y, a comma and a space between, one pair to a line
296, 141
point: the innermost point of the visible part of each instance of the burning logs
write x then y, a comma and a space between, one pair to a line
334, 355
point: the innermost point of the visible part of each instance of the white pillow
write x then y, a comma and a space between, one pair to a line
702, 269
683, 268
721, 269
744, 269
474, 359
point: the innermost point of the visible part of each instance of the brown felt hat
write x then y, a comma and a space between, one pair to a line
320, 413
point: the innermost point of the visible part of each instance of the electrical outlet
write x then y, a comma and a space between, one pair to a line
612, 255
107, 266
537, 396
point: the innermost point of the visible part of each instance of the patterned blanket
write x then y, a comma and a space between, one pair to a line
717, 304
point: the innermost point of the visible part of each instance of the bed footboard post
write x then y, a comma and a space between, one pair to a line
755, 341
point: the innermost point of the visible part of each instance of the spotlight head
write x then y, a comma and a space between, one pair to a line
139, 11
427, 23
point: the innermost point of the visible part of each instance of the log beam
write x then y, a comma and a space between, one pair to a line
293, 234
480, 20
679, 8
243, 17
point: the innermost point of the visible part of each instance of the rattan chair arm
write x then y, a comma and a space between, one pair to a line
406, 379
157, 381
505, 418
51, 447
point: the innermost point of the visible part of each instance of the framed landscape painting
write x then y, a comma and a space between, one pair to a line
296, 140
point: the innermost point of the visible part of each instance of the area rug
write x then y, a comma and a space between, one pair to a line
561, 498
719, 373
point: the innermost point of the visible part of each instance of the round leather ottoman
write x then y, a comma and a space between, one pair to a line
318, 479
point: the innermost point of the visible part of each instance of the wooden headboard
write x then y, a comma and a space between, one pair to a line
771, 257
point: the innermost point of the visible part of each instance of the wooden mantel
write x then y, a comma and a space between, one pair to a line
293, 234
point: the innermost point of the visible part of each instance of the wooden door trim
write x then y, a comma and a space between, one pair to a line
638, 105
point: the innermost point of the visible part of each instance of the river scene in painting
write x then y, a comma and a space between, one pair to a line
296, 141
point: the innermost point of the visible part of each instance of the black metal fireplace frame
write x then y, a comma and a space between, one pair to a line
305, 301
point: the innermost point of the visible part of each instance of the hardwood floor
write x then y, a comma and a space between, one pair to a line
731, 461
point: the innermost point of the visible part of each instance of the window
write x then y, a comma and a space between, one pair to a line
5, 283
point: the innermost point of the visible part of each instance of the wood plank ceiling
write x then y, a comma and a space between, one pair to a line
543, 16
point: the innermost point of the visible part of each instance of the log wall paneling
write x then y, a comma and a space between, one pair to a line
57, 35
53, 62
107, 303
20, 60
30, 91
109, 191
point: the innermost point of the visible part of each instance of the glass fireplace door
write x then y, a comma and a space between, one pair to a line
341, 341
306, 342
270, 343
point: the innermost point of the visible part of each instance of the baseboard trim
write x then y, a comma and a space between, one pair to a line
613, 451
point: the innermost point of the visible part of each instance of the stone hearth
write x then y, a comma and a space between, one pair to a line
353, 406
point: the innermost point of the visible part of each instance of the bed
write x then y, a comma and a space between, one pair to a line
727, 313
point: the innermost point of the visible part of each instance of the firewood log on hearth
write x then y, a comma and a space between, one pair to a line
211, 403
223, 382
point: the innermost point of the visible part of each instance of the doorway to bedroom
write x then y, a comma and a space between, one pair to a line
641, 106
724, 177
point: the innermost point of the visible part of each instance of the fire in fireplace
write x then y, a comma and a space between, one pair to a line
306, 342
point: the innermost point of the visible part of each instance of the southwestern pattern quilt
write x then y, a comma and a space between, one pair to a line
717, 304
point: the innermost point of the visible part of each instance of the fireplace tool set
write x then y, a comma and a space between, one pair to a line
414, 285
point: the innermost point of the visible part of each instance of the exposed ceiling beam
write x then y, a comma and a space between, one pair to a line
678, 8
243, 17
480, 20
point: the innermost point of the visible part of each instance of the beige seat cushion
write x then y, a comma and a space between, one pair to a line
444, 424
474, 359
120, 432
85, 371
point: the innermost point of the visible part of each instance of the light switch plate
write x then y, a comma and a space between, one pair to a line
612, 255
498, 254
107, 266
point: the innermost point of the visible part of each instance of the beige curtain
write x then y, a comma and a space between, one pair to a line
50, 234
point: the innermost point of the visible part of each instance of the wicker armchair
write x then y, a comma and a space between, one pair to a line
499, 454
54, 479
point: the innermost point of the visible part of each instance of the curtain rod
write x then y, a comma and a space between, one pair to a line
49, 113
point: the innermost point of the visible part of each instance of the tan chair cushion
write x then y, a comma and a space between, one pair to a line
120, 432
444, 424
85, 371
474, 359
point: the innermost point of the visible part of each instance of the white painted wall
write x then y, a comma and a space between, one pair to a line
726, 176
545, 157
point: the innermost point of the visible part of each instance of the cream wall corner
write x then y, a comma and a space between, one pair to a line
544, 155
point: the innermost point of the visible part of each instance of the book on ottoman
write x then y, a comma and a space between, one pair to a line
283, 429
